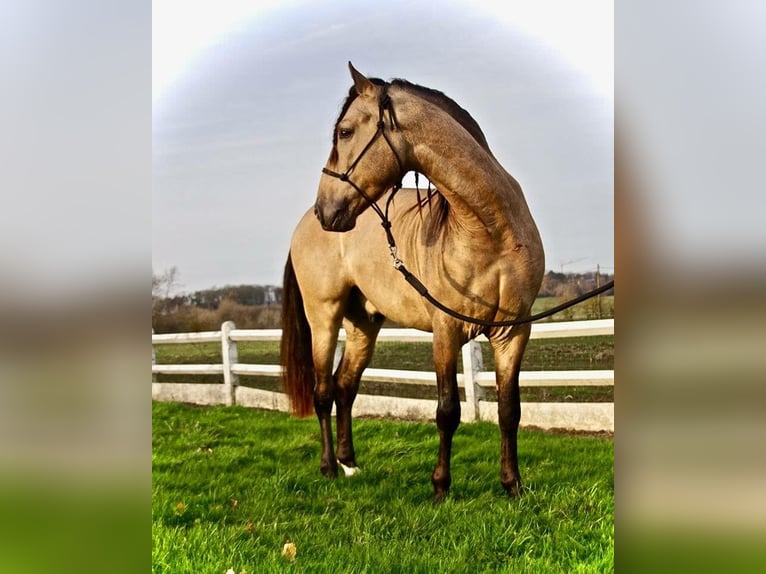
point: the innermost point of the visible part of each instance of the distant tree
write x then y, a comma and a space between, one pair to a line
207, 298
162, 284
551, 281
246, 294
570, 285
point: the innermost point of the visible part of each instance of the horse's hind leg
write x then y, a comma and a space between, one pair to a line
361, 332
508, 354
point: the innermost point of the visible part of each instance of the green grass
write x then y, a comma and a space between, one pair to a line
562, 354
571, 353
588, 309
232, 485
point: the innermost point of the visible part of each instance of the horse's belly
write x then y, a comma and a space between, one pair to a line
401, 310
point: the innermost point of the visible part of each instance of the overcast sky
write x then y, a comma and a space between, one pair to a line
244, 100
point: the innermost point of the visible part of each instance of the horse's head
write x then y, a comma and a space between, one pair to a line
366, 157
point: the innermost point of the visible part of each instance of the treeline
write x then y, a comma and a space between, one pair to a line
176, 317
569, 285
258, 306
248, 295
249, 306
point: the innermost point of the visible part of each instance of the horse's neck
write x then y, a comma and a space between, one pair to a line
483, 197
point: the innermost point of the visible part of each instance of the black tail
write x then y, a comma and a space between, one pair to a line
295, 351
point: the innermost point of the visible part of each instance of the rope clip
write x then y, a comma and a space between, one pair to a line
397, 262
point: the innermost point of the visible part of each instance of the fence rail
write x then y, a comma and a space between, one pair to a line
474, 379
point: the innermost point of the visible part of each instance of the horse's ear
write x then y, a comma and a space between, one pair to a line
361, 83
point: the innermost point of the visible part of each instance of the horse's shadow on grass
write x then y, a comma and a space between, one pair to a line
394, 467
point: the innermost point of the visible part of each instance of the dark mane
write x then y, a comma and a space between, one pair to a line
432, 96
441, 100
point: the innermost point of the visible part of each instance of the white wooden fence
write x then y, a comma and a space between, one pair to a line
474, 379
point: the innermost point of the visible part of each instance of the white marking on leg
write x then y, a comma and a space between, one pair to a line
348, 470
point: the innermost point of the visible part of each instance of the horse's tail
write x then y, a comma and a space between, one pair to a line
295, 350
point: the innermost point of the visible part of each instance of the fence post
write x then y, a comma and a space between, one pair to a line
338, 356
229, 356
473, 363
154, 360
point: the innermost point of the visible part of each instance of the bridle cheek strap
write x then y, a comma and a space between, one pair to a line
384, 103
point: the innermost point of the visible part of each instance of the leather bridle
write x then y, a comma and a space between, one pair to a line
384, 103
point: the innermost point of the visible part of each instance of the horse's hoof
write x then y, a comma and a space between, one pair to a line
440, 496
329, 470
348, 470
514, 489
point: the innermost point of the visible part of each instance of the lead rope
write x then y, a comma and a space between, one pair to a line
423, 290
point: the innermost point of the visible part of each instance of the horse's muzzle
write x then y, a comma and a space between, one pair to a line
334, 217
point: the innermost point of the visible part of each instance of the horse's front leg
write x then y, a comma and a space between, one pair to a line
446, 349
323, 348
361, 332
508, 354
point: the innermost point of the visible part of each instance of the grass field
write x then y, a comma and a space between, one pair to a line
232, 485
570, 353
588, 309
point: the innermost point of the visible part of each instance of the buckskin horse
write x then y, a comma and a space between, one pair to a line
473, 243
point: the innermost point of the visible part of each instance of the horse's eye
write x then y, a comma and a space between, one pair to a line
345, 133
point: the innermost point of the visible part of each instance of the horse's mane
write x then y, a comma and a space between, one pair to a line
441, 100
440, 209
435, 97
